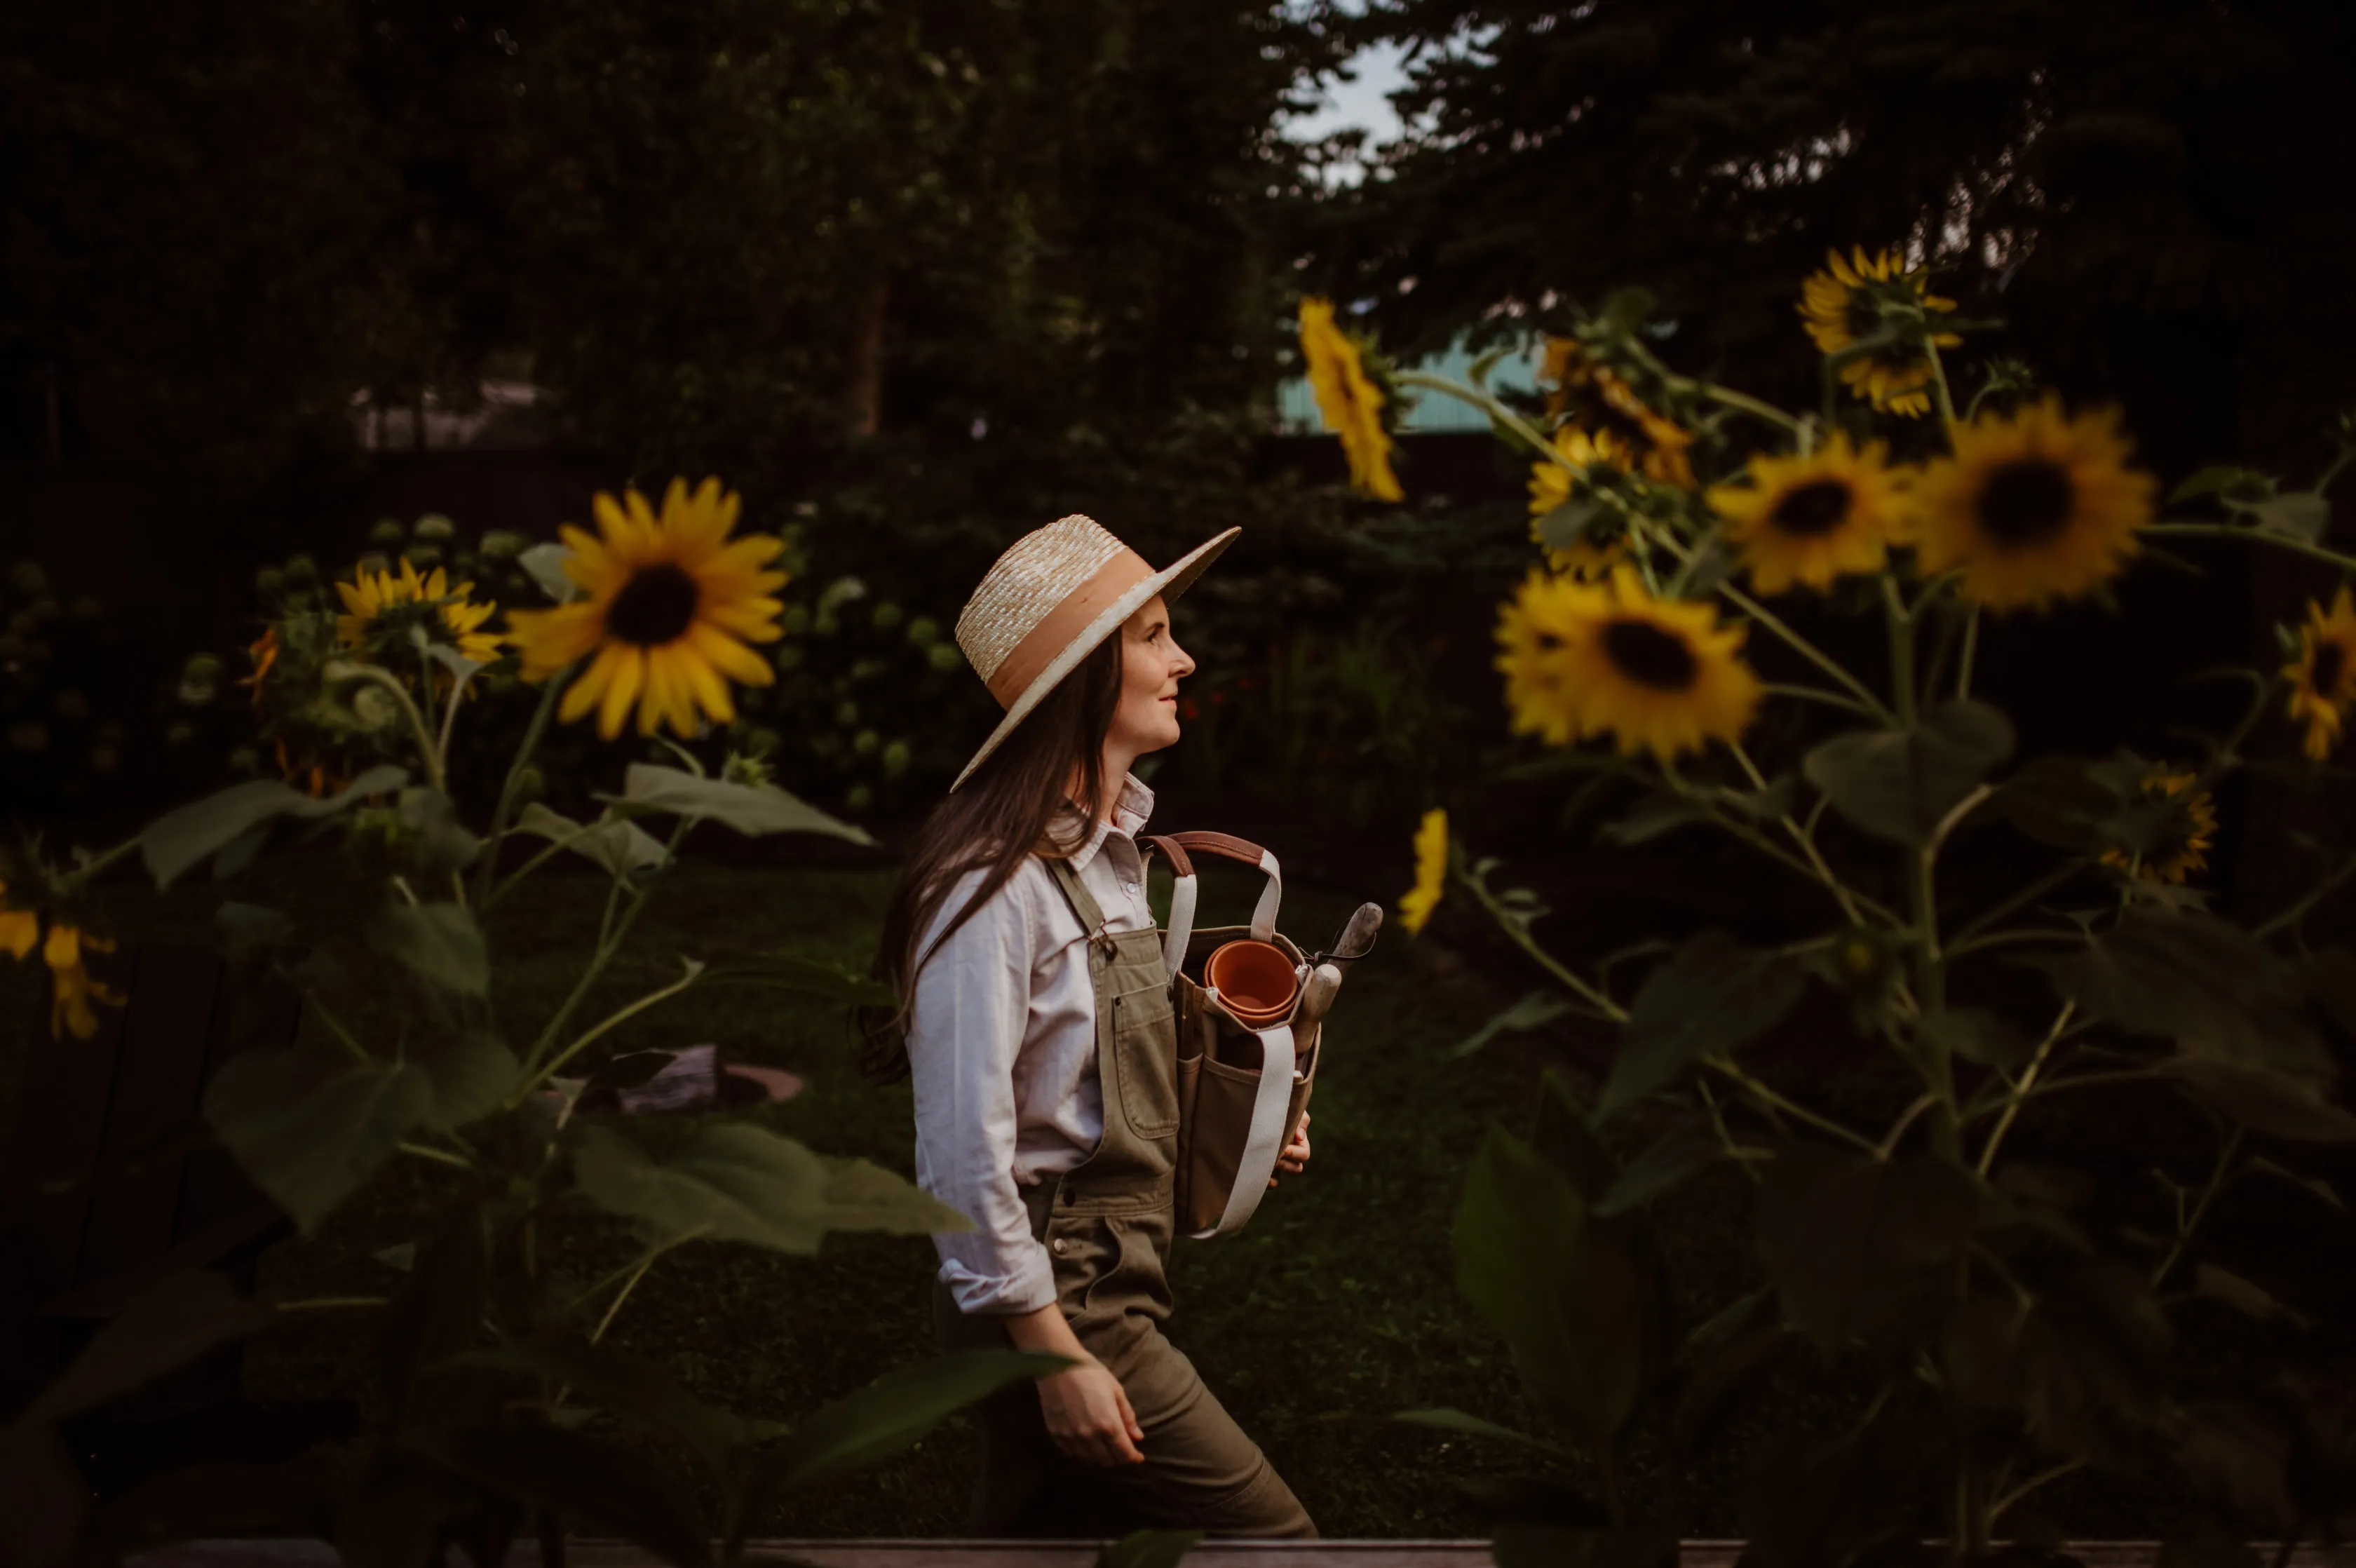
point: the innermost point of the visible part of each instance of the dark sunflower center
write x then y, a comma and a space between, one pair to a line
655, 606
1863, 317
1813, 509
1649, 656
2027, 501
2331, 664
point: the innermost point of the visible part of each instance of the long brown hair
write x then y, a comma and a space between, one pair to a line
1010, 808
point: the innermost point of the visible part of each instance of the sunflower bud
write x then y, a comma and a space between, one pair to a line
763, 742
501, 544
924, 631
794, 620
741, 768
846, 713
859, 801
888, 614
866, 742
373, 563
425, 557
270, 582
388, 534
302, 571
944, 656
896, 759
373, 706
435, 527
788, 658
531, 785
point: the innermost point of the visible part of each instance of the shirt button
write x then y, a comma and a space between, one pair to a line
1057, 1246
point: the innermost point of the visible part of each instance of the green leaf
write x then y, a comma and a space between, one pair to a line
1561, 1293
1899, 784
803, 976
179, 839
742, 1183
433, 840
2245, 1296
625, 1385
1533, 1011
1517, 1544
1689, 1147
1651, 816
545, 564
620, 845
2060, 801
1570, 524
2220, 479
438, 943
1855, 1245
249, 930
1975, 1035
165, 1328
1713, 995
2277, 1103
587, 1479
2296, 514
892, 1412
2316, 1186
749, 808
1445, 1419
1148, 1549
310, 1124
2185, 974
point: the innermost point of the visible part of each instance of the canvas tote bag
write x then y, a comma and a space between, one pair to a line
1241, 1089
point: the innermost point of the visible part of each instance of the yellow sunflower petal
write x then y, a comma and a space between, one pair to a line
625, 686
731, 656
20, 929
550, 639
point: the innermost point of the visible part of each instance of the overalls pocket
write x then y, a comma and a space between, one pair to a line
1145, 1052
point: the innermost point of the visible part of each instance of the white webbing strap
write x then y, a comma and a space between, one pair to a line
1263, 926
1182, 925
1260, 1149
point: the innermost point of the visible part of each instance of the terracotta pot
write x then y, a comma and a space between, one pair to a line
1256, 980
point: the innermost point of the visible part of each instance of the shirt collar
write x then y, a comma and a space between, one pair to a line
1129, 814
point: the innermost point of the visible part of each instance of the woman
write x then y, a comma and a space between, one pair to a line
1030, 979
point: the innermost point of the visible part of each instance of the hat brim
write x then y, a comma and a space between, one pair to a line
1169, 582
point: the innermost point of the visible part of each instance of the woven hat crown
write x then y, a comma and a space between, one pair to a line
1037, 573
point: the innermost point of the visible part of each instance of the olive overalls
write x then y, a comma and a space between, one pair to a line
1108, 1225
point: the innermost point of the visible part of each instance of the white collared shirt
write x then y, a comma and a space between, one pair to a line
1002, 1055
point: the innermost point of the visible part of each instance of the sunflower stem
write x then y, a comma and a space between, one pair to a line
2219, 1175
2261, 535
2316, 895
1487, 404
514, 781
610, 937
1970, 650
1806, 839
418, 727
1761, 1092
613, 1020
1901, 652
1938, 376
2021, 1090
1518, 933
1816, 694
1751, 405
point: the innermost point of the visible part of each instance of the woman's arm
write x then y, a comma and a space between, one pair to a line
1087, 1413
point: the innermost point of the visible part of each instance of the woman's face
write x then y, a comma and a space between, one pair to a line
1152, 664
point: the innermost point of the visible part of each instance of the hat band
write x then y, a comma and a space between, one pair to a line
1056, 628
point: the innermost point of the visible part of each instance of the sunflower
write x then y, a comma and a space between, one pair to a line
1657, 674
74, 1004
1351, 402
1415, 906
2185, 836
1810, 519
671, 603
2033, 507
1852, 302
371, 594
1550, 489
1600, 398
19, 929
2323, 676
1536, 630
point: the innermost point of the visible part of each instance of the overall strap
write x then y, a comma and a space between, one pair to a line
1076, 893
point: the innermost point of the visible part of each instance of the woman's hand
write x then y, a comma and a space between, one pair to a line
1086, 1411
1296, 1153
1089, 1416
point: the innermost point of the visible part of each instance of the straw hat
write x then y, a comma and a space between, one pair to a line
1047, 603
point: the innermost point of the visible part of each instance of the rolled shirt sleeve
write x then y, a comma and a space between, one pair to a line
970, 1007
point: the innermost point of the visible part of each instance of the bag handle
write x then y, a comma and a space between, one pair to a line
1266, 1136
1180, 850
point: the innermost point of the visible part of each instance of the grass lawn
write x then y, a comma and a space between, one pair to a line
1336, 1306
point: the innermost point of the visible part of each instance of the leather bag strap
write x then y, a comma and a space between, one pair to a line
1262, 1146
1180, 850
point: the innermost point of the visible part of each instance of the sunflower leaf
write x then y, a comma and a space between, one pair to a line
1533, 1011
1570, 524
1652, 816
545, 565
1713, 995
751, 809
439, 943
742, 1183
182, 838
1899, 784
2223, 479
2302, 514
621, 846
2182, 973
